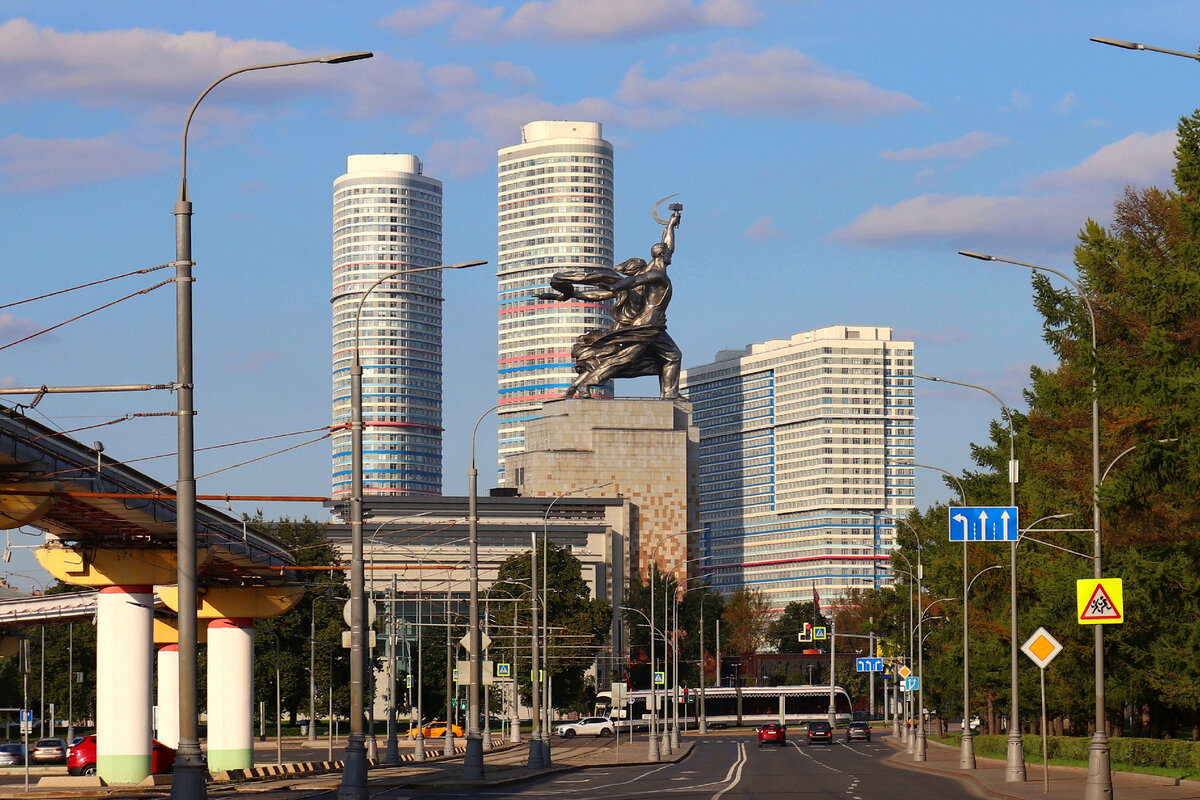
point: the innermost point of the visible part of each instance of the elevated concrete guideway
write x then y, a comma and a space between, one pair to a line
112, 529
86, 499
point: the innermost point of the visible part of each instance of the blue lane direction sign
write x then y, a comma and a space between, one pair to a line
912, 683
868, 664
984, 524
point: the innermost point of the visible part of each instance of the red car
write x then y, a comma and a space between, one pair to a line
82, 760
773, 733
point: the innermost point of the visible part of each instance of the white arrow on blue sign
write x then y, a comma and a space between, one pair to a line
912, 683
984, 524
868, 664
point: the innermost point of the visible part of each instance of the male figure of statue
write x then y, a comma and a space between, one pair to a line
637, 343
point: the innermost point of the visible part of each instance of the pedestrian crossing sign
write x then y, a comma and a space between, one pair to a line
1099, 601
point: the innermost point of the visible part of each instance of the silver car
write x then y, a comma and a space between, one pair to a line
588, 726
12, 754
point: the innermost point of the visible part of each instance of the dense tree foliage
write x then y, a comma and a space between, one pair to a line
747, 617
579, 624
695, 603
1141, 277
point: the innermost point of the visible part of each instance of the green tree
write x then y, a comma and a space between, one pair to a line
291, 633
579, 625
747, 617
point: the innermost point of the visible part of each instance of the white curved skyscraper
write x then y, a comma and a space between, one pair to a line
387, 217
555, 212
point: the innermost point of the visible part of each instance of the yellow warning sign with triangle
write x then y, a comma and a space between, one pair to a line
1099, 601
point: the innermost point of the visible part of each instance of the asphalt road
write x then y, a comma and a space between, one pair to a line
733, 767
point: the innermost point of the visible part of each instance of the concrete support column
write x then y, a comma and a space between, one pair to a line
167, 716
124, 660
230, 694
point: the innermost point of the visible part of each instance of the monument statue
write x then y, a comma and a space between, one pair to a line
637, 343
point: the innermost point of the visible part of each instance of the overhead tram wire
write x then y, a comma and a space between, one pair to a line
144, 271
77, 317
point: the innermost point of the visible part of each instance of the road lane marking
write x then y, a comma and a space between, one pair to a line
737, 765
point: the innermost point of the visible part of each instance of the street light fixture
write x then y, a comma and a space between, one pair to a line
473, 759
1139, 46
354, 774
189, 769
544, 744
1015, 765
1099, 781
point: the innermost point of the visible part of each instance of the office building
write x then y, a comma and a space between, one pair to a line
555, 213
387, 217
806, 460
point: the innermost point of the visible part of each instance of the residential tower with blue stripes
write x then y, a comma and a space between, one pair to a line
387, 218
806, 461
555, 209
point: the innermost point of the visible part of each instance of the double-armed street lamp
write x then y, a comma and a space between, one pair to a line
190, 771
1015, 763
354, 774
1099, 780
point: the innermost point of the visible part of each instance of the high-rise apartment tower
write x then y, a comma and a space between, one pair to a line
806, 461
387, 218
555, 213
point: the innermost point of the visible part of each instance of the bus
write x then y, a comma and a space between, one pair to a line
727, 705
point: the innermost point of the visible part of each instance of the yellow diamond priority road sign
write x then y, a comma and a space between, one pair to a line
1041, 647
905, 672
1099, 601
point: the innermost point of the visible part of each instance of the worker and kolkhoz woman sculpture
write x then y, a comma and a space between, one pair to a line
637, 343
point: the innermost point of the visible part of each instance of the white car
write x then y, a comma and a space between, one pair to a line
593, 726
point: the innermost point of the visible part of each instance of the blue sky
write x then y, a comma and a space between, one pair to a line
831, 158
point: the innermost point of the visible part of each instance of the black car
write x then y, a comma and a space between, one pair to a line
858, 730
820, 732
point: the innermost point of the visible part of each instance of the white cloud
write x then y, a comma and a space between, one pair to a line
779, 82
514, 74
28, 165
14, 328
1052, 210
1020, 101
575, 20
961, 220
763, 229
1067, 104
964, 147
1140, 158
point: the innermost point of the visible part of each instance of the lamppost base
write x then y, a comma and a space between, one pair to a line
448, 748
666, 743
392, 754
473, 759
487, 740
910, 741
372, 748
966, 756
1099, 779
419, 748
1014, 769
514, 732
546, 762
919, 748
535, 753
652, 753
354, 769
190, 774
674, 737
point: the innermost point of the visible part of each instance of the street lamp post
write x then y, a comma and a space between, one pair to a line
652, 752
354, 774
546, 700
473, 759
1015, 764
189, 769
1099, 780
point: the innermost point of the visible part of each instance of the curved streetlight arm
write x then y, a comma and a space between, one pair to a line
1139, 46
977, 574
340, 58
391, 276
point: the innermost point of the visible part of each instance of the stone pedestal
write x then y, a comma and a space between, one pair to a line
647, 449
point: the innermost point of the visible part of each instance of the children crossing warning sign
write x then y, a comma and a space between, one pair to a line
1099, 601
